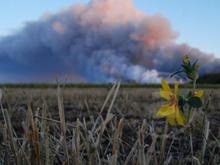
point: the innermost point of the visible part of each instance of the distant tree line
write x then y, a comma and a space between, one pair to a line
212, 78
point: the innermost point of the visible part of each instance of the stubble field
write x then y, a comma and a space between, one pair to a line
109, 125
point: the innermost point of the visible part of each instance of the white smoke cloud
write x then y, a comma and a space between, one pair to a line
98, 42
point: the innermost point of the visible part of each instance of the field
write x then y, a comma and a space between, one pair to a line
103, 125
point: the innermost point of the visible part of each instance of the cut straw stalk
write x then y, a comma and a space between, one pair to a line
76, 147
44, 133
54, 121
141, 137
108, 97
63, 123
205, 138
131, 153
100, 129
12, 140
163, 143
33, 136
116, 142
151, 150
114, 97
114, 91
9, 129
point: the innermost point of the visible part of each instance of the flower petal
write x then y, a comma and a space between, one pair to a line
199, 93
176, 88
166, 94
180, 118
171, 119
165, 86
166, 110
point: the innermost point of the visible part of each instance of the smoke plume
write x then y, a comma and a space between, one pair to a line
98, 42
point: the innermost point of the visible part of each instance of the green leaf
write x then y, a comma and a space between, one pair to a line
187, 68
177, 72
194, 64
182, 101
189, 94
195, 102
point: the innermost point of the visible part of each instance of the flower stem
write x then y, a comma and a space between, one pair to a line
193, 91
189, 114
194, 85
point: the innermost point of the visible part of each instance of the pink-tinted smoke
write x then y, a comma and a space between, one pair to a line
98, 42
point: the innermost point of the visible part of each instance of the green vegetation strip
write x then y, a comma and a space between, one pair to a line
45, 85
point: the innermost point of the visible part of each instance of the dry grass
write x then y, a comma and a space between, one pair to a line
102, 126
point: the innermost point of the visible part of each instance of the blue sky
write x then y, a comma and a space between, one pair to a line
197, 21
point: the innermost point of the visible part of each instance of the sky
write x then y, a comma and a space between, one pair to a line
197, 21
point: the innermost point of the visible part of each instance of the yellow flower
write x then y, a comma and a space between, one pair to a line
171, 110
199, 93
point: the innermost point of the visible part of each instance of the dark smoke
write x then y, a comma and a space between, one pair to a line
99, 42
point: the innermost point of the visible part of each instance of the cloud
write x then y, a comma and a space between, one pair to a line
98, 42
